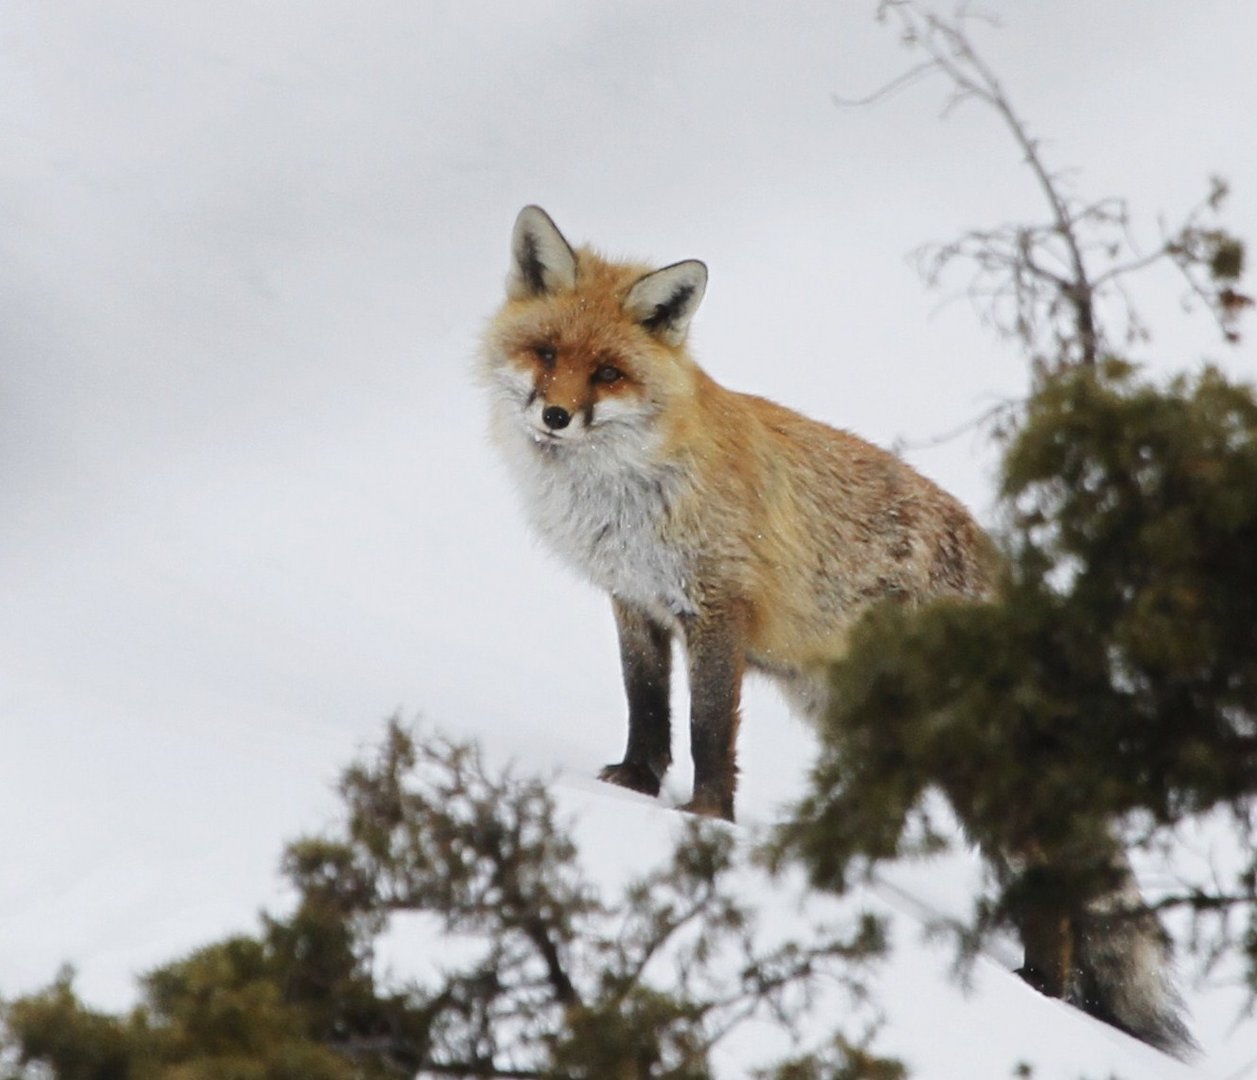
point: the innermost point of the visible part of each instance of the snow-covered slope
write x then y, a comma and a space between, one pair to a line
248, 509
937, 1030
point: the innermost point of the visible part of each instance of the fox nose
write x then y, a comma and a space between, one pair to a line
556, 417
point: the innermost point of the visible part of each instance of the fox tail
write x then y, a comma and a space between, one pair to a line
1122, 970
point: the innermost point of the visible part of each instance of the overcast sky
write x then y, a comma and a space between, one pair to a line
247, 248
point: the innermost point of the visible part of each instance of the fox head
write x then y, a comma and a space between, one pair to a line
585, 351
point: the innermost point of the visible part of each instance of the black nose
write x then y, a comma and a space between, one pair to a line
556, 417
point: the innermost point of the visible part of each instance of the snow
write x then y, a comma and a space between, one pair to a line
248, 507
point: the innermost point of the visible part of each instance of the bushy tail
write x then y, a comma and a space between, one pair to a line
1122, 970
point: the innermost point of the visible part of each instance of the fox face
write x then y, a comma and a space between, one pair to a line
586, 353
570, 390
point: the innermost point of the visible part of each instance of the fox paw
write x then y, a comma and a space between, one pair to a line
631, 775
709, 806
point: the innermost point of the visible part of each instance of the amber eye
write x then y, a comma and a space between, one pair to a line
544, 353
608, 374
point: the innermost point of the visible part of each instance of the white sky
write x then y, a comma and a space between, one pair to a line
246, 251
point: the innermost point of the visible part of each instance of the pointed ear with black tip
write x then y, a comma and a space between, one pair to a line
664, 302
541, 260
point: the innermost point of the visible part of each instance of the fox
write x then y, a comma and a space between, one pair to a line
755, 537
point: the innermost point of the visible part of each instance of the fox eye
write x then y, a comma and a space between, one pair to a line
608, 373
544, 353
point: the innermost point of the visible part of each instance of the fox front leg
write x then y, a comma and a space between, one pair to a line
714, 641
646, 661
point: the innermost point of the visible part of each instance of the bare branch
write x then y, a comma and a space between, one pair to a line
983, 419
901, 82
1058, 287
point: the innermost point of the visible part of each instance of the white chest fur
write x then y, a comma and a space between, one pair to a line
606, 514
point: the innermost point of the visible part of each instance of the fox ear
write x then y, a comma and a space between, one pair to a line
541, 260
664, 302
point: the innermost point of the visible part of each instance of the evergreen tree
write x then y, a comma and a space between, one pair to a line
1108, 695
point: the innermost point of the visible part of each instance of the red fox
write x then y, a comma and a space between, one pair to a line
755, 535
